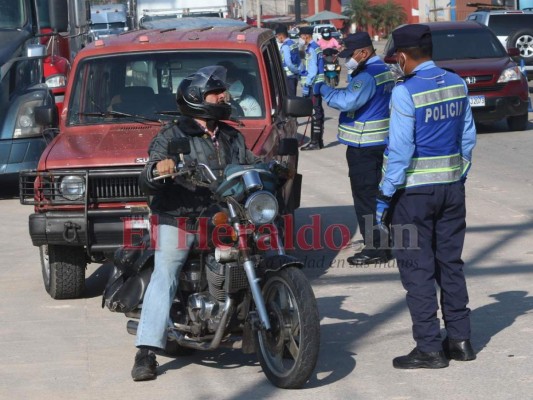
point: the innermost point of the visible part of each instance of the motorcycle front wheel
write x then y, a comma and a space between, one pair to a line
289, 351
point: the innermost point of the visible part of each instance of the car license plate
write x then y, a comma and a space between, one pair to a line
477, 101
139, 223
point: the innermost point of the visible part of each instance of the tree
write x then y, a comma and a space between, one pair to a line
359, 12
391, 15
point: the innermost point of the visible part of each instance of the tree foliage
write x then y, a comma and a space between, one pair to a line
381, 17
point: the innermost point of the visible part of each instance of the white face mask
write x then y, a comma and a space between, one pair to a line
301, 42
236, 89
350, 63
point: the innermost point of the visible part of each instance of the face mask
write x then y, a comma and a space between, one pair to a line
236, 89
301, 42
350, 63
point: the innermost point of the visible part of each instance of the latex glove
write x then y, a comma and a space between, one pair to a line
305, 90
318, 87
382, 207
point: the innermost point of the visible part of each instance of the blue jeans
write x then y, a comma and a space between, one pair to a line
170, 256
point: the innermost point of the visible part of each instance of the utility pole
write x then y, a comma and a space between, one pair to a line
297, 11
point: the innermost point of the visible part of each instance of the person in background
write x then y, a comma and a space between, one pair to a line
363, 128
311, 76
290, 57
327, 41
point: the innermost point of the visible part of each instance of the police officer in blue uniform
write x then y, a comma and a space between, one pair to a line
363, 128
431, 138
311, 76
290, 57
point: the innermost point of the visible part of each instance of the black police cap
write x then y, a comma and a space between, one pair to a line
305, 30
414, 35
354, 42
282, 29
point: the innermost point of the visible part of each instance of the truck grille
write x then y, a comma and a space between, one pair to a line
104, 186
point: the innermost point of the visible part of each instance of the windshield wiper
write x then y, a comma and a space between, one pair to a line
118, 114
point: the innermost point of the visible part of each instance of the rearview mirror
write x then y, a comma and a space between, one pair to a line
46, 115
178, 146
297, 107
288, 147
58, 15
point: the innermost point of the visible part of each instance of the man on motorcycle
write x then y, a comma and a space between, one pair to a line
200, 99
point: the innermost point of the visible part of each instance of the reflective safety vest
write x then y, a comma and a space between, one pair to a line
440, 101
313, 47
369, 125
295, 56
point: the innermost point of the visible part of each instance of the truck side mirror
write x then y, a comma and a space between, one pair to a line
178, 146
297, 107
58, 15
288, 147
46, 115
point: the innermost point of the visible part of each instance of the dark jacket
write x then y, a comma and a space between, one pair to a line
170, 198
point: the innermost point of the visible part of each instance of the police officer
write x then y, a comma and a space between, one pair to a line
431, 138
311, 75
363, 128
290, 57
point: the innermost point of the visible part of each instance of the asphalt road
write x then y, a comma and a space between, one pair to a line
74, 349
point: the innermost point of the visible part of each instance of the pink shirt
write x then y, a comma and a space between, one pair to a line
326, 44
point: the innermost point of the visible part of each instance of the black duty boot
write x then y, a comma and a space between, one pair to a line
311, 146
321, 136
457, 349
417, 359
369, 257
145, 367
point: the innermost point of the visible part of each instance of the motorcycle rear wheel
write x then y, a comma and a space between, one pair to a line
288, 353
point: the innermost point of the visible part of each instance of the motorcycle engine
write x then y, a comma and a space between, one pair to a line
203, 309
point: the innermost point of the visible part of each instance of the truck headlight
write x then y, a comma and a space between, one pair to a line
25, 125
72, 187
56, 81
510, 74
261, 207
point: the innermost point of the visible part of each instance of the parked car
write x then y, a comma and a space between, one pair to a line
497, 89
317, 32
121, 92
514, 28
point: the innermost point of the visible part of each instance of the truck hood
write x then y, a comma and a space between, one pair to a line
480, 66
100, 146
10, 42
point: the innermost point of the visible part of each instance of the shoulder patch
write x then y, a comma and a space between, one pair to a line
356, 84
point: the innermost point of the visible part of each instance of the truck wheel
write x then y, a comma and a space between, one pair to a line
518, 122
522, 39
63, 270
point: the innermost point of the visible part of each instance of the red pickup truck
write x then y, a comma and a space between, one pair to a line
121, 91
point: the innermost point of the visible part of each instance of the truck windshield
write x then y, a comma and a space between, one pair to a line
12, 14
145, 84
463, 44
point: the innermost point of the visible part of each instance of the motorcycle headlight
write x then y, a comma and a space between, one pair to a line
261, 208
330, 67
510, 74
72, 187
56, 81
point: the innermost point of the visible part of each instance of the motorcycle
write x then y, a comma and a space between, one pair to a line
332, 68
241, 290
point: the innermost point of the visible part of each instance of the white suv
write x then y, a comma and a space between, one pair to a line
514, 28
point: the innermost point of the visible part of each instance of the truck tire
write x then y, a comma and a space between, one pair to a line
522, 39
63, 269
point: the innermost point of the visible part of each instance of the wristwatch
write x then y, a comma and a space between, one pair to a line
382, 197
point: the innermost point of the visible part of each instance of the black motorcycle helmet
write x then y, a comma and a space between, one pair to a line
193, 89
326, 34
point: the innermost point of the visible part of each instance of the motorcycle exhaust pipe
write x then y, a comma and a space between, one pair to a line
132, 326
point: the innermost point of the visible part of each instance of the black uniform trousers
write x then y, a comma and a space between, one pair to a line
365, 169
428, 252
292, 85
